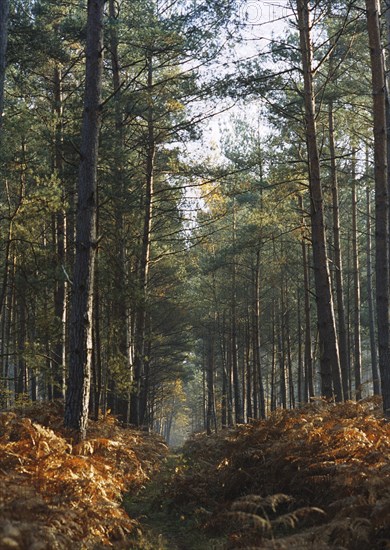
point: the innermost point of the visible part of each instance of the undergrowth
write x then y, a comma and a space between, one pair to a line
316, 477
165, 526
55, 494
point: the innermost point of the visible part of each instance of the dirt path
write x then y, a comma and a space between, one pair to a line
164, 527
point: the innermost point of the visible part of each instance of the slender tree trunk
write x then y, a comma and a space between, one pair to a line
204, 403
381, 198
81, 317
291, 392
4, 15
143, 274
386, 64
238, 404
370, 299
300, 377
21, 380
249, 370
308, 353
356, 288
224, 396
6, 335
282, 348
258, 384
4, 12
59, 223
338, 263
230, 409
97, 350
329, 354
273, 359
121, 309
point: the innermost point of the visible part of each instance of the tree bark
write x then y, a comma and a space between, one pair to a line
211, 419
258, 385
238, 403
121, 308
370, 300
356, 288
308, 385
381, 198
329, 354
4, 13
81, 316
59, 231
300, 377
338, 263
143, 272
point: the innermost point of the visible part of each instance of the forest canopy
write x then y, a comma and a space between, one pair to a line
194, 211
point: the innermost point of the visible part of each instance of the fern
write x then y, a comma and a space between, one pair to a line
250, 521
293, 518
254, 503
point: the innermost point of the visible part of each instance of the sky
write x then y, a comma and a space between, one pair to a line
263, 21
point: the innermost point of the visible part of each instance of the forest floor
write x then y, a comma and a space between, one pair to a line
316, 477
165, 526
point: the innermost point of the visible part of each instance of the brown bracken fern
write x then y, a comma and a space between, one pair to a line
331, 463
57, 495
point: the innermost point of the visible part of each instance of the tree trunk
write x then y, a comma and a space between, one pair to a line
121, 309
300, 377
258, 385
21, 379
370, 299
6, 322
381, 198
238, 404
356, 288
97, 371
59, 226
211, 420
282, 348
308, 353
338, 264
273, 360
249, 368
143, 274
81, 316
291, 392
4, 12
222, 349
329, 355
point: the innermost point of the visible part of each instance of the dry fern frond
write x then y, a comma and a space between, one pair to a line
69, 496
293, 518
250, 521
351, 533
254, 503
331, 457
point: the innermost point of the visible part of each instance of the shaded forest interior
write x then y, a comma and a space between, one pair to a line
194, 225
194, 237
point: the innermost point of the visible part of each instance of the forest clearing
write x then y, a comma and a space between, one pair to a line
317, 477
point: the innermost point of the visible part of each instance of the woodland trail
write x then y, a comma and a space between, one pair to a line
312, 478
163, 526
